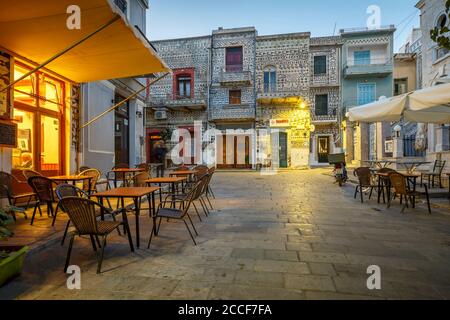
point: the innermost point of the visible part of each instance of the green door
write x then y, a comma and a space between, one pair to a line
283, 150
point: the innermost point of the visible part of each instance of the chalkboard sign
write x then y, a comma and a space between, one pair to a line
8, 134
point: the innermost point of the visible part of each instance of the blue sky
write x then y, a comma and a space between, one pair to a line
181, 18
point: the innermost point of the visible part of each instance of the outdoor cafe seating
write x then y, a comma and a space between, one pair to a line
80, 203
390, 185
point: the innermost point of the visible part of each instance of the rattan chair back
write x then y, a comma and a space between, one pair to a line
43, 188
364, 176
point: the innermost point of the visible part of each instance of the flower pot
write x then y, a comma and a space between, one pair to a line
13, 264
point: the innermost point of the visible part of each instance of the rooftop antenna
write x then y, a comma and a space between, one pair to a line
334, 31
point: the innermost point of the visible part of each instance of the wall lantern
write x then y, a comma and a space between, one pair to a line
397, 130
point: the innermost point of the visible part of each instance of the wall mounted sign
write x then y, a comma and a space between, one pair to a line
280, 123
5, 80
8, 134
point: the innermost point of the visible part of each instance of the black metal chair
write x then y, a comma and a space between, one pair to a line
365, 181
431, 176
43, 188
83, 215
178, 214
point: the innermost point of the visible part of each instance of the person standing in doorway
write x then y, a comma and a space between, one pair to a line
159, 154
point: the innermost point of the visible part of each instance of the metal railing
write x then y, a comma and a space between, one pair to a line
174, 99
368, 62
234, 74
232, 112
409, 147
122, 5
365, 29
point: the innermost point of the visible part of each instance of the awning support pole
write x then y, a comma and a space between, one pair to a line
56, 56
123, 101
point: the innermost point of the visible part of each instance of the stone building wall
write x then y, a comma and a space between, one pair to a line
219, 94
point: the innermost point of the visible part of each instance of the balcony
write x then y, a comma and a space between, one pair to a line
242, 112
324, 119
122, 5
235, 76
376, 67
281, 98
175, 102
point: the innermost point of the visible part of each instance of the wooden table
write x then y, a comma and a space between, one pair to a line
184, 173
173, 181
411, 166
73, 179
384, 177
378, 163
126, 171
135, 193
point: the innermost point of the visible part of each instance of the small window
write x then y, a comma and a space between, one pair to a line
362, 57
400, 86
320, 65
234, 59
270, 80
442, 21
184, 87
322, 105
235, 97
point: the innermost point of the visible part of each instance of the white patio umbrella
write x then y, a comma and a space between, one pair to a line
430, 105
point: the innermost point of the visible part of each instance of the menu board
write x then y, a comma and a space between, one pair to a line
8, 134
5, 79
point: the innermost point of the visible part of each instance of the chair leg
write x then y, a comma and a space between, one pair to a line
205, 210
195, 230
36, 206
356, 192
361, 192
428, 200
94, 246
54, 216
65, 233
102, 253
151, 233
211, 192
130, 239
118, 229
190, 233
370, 194
196, 210
69, 252
207, 198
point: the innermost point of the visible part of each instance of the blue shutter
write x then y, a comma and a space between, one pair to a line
366, 93
362, 57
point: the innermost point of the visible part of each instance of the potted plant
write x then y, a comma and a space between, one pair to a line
11, 257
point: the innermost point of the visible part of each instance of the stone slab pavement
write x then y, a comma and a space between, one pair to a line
294, 235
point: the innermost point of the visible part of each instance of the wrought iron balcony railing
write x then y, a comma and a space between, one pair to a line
235, 75
240, 112
171, 100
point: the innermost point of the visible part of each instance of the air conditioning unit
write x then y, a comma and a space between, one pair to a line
160, 115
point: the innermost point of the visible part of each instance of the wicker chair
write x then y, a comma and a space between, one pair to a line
178, 214
83, 215
140, 179
95, 174
28, 173
364, 176
400, 186
431, 176
43, 188
84, 168
7, 192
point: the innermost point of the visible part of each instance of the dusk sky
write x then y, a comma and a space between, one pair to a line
176, 19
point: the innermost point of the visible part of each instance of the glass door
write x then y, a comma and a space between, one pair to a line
50, 145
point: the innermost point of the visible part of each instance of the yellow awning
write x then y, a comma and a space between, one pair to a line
37, 30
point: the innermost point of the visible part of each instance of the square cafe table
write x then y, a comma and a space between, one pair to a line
384, 177
73, 179
173, 181
125, 172
135, 193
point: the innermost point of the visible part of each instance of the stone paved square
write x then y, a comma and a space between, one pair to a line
294, 235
